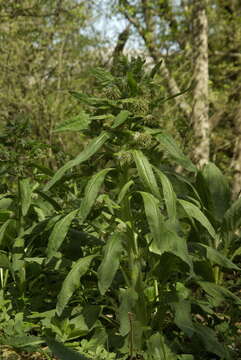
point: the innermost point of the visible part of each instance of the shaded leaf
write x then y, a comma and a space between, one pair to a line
63, 352
216, 257
169, 144
168, 194
25, 193
194, 212
214, 190
232, 217
59, 233
110, 263
120, 118
164, 239
72, 282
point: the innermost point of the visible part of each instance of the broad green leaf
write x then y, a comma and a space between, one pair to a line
72, 282
50, 200
214, 190
145, 172
183, 316
169, 194
232, 217
155, 69
63, 352
169, 144
210, 341
164, 239
158, 348
89, 150
77, 123
218, 292
25, 193
120, 118
3, 228
5, 215
21, 342
128, 299
4, 261
91, 192
124, 191
59, 233
194, 212
110, 263
216, 257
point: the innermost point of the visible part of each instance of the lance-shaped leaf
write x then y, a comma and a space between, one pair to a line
218, 292
169, 194
63, 352
3, 229
194, 212
169, 144
232, 217
91, 192
90, 150
59, 233
110, 263
124, 191
164, 239
77, 123
25, 192
216, 257
214, 190
128, 299
72, 282
120, 118
145, 172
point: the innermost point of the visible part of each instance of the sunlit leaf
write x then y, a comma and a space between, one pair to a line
89, 150
145, 172
91, 192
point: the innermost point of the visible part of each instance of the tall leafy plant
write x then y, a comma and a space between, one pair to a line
142, 215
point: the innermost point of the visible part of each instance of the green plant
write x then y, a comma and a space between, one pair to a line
148, 264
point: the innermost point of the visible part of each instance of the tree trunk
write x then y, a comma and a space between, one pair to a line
200, 94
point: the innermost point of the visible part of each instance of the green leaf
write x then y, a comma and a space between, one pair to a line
72, 282
210, 341
5, 215
124, 191
120, 118
4, 261
145, 172
128, 299
158, 348
62, 352
169, 194
218, 292
59, 233
216, 257
194, 212
25, 193
183, 317
169, 144
21, 342
232, 217
164, 239
91, 192
155, 69
89, 150
110, 263
214, 190
3, 228
77, 123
